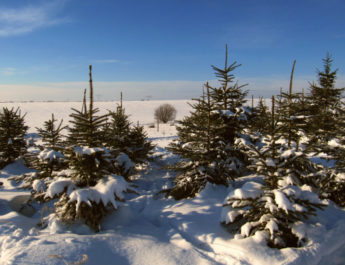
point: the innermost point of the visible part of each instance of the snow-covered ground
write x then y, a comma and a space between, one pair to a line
149, 228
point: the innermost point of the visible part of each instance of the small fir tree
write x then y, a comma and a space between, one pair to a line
140, 148
50, 156
12, 132
128, 144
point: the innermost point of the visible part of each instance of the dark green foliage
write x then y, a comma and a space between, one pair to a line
12, 132
88, 160
52, 134
118, 130
206, 142
91, 215
292, 113
89, 164
48, 158
285, 197
333, 186
325, 99
261, 117
141, 147
86, 128
122, 137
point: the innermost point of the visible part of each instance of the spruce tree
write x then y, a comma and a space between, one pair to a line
194, 147
206, 142
275, 208
118, 129
86, 155
292, 113
12, 132
91, 170
140, 148
325, 99
50, 156
128, 144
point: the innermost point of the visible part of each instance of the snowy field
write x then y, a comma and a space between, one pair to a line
149, 228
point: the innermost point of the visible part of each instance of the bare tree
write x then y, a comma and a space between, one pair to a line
165, 113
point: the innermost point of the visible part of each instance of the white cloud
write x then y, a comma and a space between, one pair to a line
17, 21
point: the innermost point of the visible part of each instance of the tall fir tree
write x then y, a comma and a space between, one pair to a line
86, 192
86, 155
206, 142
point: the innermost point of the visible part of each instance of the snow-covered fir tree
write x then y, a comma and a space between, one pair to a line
128, 144
46, 158
90, 189
292, 113
50, 156
275, 209
12, 132
206, 138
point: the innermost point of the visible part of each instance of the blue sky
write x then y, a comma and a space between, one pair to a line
162, 49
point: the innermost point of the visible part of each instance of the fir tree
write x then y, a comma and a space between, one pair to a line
50, 156
206, 141
124, 139
12, 132
260, 118
118, 129
277, 207
325, 99
140, 147
194, 148
292, 113
91, 165
86, 155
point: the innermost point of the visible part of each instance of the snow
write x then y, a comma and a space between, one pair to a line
334, 143
83, 150
148, 228
272, 226
282, 201
248, 190
38, 185
58, 186
123, 160
103, 191
48, 154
